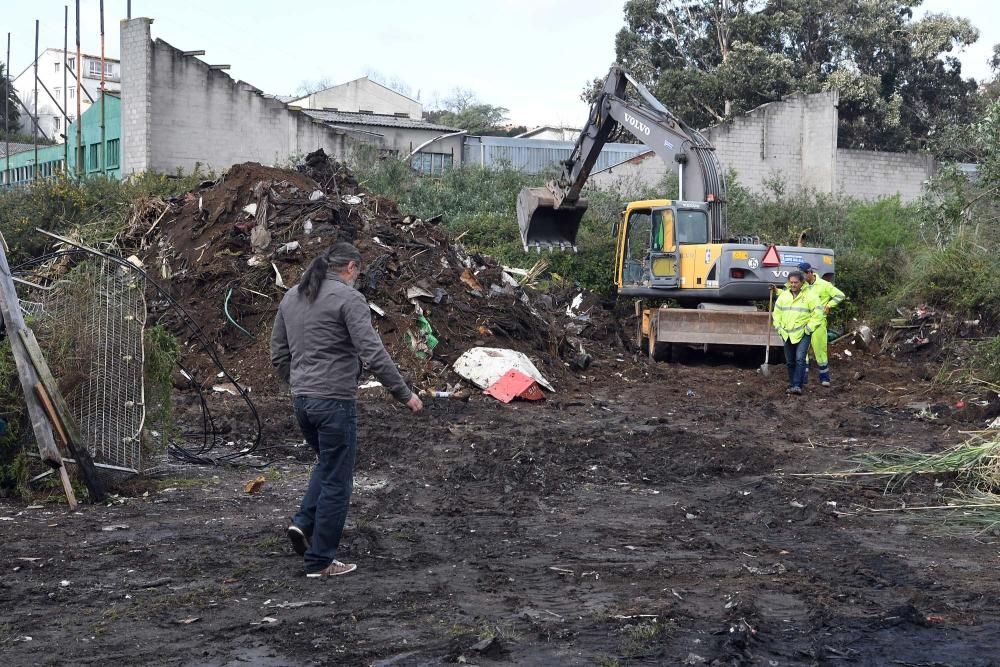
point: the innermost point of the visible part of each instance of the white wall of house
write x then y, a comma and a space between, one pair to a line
50, 77
362, 96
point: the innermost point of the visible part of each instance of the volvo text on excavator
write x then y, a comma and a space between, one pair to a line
677, 249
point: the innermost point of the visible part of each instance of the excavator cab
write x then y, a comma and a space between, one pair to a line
647, 238
543, 225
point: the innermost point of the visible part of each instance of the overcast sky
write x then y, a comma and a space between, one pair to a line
531, 56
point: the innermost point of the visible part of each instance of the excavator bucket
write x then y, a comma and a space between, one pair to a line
545, 226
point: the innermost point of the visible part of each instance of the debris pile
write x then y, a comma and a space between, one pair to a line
228, 250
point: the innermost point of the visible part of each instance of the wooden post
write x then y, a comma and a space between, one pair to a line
10, 309
62, 418
63, 475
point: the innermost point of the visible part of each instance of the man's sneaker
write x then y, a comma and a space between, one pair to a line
334, 569
300, 543
794, 390
825, 383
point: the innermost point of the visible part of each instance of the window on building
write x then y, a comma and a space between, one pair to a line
431, 163
57, 123
113, 153
71, 63
72, 93
57, 66
94, 67
94, 157
110, 69
58, 93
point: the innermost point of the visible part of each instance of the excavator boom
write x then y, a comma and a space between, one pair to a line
550, 217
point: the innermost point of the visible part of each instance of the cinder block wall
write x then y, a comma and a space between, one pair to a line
794, 141
871, 174
179, 113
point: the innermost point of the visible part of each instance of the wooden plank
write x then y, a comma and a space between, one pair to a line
67, 488
63, 475
63, 418
10, 310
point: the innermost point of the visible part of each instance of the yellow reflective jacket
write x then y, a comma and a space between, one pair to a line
826, 292
797, 315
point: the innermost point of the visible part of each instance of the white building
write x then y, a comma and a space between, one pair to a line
362, 96
56, 85
551, 133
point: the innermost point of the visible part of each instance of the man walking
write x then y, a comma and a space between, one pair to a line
322, 327
797, 314
829, 297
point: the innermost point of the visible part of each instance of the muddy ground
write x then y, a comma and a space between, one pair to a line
622, 521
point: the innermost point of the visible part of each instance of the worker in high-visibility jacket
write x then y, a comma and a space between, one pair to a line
797, 315
829, 297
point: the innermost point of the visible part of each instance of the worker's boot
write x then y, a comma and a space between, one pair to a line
824, 378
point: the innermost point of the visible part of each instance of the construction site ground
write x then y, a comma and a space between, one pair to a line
640, 515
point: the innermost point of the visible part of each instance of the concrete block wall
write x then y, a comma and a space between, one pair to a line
180, 113
794, 141
872, 174
136, 49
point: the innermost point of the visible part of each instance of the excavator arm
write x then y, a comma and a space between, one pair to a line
550, 216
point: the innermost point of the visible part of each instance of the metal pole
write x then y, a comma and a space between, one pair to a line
104, 160
34, 174
129, 14
65, 90
79, 72
6, 113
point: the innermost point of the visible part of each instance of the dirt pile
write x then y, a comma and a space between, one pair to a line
228, 250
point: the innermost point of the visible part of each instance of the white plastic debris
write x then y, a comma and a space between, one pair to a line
371, 385
277, 277
482, 366
351, 200
250, 209
307, 227
573, 309
317, 195
995, 424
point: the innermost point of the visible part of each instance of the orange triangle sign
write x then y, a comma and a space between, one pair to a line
771, 257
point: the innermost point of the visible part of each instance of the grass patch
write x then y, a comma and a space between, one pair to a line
974, 467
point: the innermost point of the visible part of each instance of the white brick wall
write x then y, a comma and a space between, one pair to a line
179, 114
872, 174
794, 141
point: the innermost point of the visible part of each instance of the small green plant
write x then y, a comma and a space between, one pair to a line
162, 352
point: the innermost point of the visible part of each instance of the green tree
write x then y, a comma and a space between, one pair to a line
8, 94
709, 60
464, 111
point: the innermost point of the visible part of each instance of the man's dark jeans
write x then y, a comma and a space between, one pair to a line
795, 361
330, 427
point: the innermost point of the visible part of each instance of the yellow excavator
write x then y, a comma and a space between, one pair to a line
668, 249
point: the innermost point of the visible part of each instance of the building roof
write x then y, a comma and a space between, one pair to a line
374, 119
543, 128
16, 148
360, 78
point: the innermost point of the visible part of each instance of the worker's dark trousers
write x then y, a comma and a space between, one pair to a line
795, 361
331, 428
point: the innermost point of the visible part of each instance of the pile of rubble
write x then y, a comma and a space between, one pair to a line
228, 250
